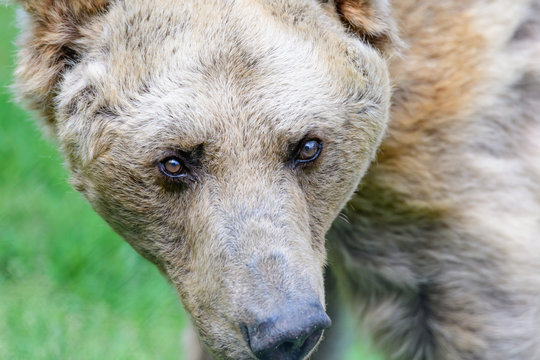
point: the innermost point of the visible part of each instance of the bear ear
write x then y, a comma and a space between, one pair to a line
48, 46
372, 20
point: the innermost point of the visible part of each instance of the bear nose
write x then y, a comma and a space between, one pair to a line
291, 335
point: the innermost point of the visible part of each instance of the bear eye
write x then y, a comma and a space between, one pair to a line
172, 167
309, 150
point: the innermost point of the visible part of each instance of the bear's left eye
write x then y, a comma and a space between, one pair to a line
308, 151
172, 167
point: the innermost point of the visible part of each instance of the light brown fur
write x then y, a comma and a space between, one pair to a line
438, 246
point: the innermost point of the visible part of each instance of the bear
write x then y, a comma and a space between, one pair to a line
281, 161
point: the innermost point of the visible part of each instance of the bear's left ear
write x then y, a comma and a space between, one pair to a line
48, 46
372, 20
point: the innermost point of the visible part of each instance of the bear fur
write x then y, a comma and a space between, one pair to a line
424, 201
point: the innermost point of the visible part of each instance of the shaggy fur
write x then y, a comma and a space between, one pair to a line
437, 247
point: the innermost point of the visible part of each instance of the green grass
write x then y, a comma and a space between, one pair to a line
70, 288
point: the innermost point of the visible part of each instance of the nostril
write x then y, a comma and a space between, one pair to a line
312, 340
286, 347
245, 335
294, 348
299, 348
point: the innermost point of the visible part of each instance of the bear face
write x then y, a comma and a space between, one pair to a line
220, 139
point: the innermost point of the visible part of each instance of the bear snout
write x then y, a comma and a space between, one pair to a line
290, 333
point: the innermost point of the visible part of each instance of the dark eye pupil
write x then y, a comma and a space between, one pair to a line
173, 166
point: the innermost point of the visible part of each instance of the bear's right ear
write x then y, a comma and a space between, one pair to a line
48, 47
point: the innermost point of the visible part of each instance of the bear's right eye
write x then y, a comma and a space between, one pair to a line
307, 152
173, 167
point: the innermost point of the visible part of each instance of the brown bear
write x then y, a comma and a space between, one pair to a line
241, 145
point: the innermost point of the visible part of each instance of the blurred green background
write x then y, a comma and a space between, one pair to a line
70, 288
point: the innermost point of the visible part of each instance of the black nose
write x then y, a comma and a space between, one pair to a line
290, 335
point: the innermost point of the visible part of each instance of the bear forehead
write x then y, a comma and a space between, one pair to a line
216, 44
217, 38
216, 61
